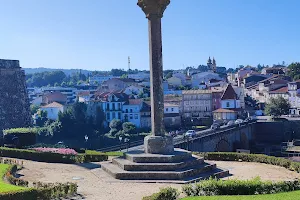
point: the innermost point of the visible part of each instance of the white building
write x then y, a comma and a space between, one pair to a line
131, 111
204, 77
294, 97
171, 108
99, 79
133, 90
52, 110
140, 76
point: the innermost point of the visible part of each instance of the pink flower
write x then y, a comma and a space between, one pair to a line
56, 150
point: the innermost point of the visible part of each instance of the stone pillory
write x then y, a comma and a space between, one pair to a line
157, 142
159, 161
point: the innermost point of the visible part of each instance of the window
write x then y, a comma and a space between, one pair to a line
227, 104
113, 115
172, 109
119, 115
131, 116
126, 110
131, 110
167, 109
107, 106
113, 106
108, 116
136, 116
206, 109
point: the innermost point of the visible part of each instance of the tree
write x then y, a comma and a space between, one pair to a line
277, 107
128, 128
169, 75
34, 109
124, 76
294, 70
100, 118
115, 126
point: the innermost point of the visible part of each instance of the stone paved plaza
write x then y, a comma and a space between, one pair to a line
95, 184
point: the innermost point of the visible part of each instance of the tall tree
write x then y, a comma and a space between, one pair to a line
277, 107
294, 70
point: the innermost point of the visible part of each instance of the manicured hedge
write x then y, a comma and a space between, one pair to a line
10, 177
50, 157
31, 194
168, 193
26, 136
214, 187
260, 158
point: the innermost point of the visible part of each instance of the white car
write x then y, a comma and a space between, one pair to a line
190, 133
239, 121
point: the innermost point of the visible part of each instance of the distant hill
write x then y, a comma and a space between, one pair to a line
66, 71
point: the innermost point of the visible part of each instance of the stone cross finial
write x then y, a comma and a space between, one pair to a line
153, 7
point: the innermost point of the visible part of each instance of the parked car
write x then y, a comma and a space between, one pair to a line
230, 123
215, 126
238, 121
190, 133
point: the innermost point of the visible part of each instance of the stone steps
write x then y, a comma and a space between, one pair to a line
182, 174
139, 156
132, 166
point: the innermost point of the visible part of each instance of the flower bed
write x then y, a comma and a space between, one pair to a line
64, 151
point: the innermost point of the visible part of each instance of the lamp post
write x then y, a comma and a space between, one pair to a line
120, 139
86, 137
126, 140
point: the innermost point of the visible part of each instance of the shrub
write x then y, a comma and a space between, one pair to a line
26, 136
20, 195
168, 193
50, 157
254, 186
10, 177
231, 156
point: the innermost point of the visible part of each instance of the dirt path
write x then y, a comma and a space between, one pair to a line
95, 184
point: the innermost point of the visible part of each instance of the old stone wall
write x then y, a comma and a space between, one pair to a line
14, 102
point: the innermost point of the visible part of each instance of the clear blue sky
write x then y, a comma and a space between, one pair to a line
101, 34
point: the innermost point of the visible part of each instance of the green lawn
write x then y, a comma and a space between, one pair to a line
5, 187
280, 196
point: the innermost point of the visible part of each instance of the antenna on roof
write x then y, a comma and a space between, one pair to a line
128, 63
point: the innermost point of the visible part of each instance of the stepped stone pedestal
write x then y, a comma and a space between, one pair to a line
179, 167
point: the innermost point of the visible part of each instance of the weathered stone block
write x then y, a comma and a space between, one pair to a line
158, 144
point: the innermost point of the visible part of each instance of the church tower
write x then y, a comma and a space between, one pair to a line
211, 65
214, 66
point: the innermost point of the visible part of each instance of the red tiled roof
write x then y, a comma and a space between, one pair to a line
222, 110
135, 101
229, 93
281, 90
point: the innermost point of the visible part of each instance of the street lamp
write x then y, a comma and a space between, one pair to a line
120, 139
126, 140
86, 137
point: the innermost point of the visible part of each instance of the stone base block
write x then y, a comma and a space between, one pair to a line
158, 144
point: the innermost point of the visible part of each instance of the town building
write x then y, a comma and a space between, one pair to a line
99, 79
197, 105
132, 111
230, 106
53, 110
273, 71
294, 97
112, 103
116, 84
69, 92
